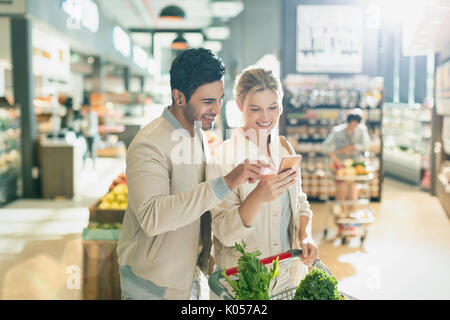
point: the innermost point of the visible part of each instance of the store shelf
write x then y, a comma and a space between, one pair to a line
9, 154
8, 188
309, 117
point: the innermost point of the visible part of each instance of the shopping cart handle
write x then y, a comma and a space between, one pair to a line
269, 260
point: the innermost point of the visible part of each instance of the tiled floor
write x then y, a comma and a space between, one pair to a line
405, 256
40, 240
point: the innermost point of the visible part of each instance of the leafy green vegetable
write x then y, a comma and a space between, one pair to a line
318, 285
358, 163
253, 279
105, 226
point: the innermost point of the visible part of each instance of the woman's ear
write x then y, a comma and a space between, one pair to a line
178, 97
239, 105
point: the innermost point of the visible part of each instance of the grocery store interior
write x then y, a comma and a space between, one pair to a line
62, 200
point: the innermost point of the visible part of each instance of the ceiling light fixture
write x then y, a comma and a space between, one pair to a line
226, 9
217, 33
214, 46
179, 43
172, 13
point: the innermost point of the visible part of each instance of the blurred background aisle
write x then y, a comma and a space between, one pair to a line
80, 78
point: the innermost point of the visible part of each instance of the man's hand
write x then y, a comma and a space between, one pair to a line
310, 252
245, 172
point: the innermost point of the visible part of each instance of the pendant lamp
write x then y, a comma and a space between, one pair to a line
172, 13
179, 43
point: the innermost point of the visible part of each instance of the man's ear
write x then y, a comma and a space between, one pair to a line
239, 105
178, 97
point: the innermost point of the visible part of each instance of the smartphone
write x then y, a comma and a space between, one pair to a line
290, 162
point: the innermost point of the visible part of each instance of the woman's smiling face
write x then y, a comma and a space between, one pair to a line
261, 111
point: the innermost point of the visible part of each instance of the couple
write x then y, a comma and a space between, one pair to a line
165, 242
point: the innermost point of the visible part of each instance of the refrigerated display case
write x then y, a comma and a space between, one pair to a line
407, 142
9, 152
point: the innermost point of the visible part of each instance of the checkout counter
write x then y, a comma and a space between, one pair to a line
60, 161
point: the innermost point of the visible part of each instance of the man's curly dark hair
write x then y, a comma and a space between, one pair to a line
194, 68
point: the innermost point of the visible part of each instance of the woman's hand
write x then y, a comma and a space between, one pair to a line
310, 252
270, 187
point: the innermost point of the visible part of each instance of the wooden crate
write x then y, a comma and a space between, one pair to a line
101, 279
105, 216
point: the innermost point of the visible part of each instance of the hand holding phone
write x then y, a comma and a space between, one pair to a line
290, 162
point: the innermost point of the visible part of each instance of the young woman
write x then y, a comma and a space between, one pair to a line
271, 215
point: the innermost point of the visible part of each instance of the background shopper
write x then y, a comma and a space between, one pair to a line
349, 140
90, 133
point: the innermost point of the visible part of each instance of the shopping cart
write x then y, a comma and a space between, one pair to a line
217, 282
356, 223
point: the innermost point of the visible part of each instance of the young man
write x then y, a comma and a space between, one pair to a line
165, 237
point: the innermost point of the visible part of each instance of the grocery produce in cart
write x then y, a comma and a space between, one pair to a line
251, 280
353, 167
254, 278
318, 285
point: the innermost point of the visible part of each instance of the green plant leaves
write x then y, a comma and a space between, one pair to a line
253, 279
318, 285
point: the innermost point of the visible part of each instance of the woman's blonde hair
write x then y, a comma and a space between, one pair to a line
257, 79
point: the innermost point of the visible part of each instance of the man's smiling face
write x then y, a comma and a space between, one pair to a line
205, 104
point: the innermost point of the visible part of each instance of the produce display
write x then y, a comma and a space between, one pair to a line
318, 285
116, 199
10, 157
110, 208
9, 142
104, 226
121, 179
254, 278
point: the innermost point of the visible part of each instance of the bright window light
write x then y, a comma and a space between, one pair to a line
233, 114
194, 39
140, 57
227, 9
